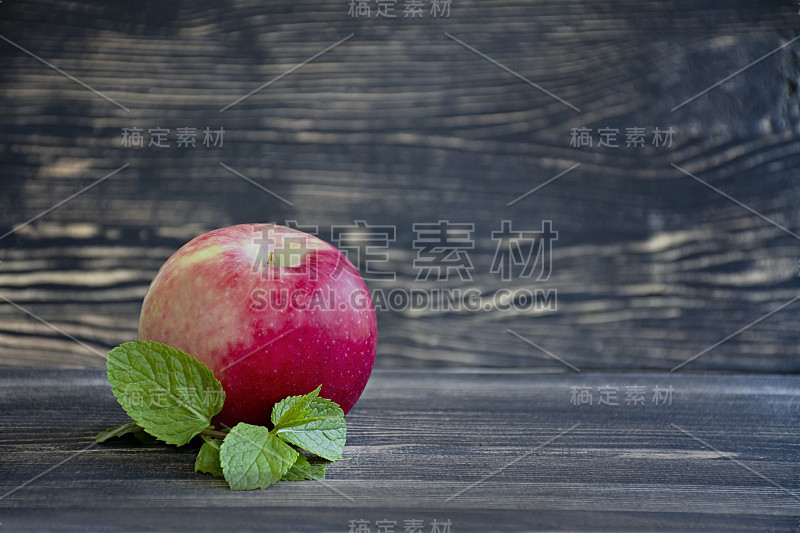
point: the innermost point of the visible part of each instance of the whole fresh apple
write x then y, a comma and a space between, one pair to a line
272, 311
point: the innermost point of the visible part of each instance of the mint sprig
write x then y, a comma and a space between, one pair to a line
173, 397
253, 457
208, 457
208, 461
313, 423
169, 394
302, 469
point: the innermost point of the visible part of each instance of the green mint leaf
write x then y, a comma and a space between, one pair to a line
293, 408
302, 470
315, 424
254, 458
171, 395
118, 431
208, 457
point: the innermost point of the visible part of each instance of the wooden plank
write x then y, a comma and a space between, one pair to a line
488, 450
401, 124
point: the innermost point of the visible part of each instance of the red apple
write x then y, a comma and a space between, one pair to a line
272, 311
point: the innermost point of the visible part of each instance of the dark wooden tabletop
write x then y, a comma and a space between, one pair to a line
485, 450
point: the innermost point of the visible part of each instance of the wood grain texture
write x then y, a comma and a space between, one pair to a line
401, 124
480, 448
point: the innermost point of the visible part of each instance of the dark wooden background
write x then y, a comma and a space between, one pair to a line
401, 124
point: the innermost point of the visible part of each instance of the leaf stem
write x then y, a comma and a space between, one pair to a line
214, 433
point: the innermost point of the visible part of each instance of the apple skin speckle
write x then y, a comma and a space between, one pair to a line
202, 302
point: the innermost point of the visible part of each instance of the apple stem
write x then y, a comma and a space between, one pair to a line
214, 433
